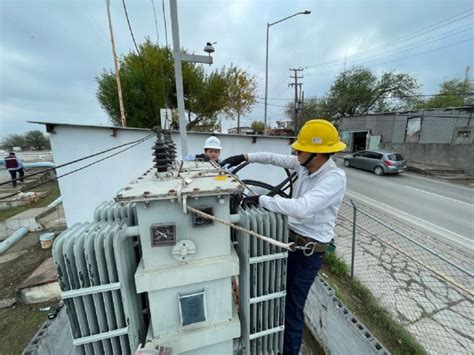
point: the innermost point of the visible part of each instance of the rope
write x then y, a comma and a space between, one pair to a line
286, 246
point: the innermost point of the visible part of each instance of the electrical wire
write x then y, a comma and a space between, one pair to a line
160, 62
76, 170
145, 75
415, 34
397, 51
164, 21
78, 160
397, 59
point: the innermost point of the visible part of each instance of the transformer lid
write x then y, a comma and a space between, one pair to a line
191, 179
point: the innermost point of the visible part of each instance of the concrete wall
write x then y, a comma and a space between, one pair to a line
457, 156
439, 142
84, 190
335, 327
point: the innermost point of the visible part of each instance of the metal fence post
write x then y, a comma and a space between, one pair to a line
354, 225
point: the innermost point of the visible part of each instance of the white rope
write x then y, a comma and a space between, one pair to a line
286, 246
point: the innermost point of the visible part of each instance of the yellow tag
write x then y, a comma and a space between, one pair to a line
221, 177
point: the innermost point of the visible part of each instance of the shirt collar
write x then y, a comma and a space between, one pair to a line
327, 165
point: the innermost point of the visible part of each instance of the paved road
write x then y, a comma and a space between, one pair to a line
438, 207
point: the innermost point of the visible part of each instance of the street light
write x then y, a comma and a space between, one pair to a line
306, 12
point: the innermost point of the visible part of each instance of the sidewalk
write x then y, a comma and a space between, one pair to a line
445, 173
433, 300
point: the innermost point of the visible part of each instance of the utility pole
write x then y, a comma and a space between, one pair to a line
178, 58
117, 73
296, 85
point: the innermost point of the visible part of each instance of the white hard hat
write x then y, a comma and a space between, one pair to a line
212, 143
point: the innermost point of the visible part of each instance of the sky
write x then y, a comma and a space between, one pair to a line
52, 51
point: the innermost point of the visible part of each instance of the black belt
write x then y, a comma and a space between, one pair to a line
310, 243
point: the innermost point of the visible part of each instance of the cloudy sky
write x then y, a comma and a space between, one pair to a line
52, 50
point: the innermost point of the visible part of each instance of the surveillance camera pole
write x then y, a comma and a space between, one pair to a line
178, 58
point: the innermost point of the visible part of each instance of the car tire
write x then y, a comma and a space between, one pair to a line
378, 170
347, 163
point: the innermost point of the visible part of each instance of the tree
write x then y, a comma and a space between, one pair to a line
240, 93
37, 140
358, 91
258, 127
313, 107
452, 93
148, 84
30, 140
13, 140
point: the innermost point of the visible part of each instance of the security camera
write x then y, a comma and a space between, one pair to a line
209, 48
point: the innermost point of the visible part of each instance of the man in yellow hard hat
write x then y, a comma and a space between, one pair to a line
312, 212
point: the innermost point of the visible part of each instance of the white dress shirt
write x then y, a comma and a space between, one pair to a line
312, 212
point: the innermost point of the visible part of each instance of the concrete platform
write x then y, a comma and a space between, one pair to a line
22, 199
41, 285
29, 219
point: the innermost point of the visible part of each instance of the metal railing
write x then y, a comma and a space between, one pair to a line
426, 287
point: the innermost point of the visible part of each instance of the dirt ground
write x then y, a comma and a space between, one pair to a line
18, 324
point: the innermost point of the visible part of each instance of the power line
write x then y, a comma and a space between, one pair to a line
397, 59
78, 160
430, 28
145, 76
160, 62
156, 23
424, 42
164, 21
78, 169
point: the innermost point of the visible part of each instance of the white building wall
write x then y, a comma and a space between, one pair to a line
83, 191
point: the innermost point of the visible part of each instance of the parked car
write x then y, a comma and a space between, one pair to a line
379, 161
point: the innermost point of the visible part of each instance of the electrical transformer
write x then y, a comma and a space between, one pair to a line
151, 275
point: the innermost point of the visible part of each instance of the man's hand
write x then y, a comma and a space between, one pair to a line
250, 201
233, 160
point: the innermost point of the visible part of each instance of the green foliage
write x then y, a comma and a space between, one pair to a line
357, 91
314, 107
147, 90
452, 93
258, 127
35, 140
14, 140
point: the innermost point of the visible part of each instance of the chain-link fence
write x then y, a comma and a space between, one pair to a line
428, 291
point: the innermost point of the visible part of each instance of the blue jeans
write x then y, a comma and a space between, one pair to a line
301, 272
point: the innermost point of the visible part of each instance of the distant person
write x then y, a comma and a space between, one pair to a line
14, 165
212, 150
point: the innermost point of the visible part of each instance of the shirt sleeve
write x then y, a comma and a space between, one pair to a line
284, 161
330, 190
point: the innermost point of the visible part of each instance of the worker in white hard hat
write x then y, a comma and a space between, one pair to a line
212, 149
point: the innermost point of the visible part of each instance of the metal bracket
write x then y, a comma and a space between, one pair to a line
194, 58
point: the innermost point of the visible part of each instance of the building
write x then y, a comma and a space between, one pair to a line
243, 130
434, 136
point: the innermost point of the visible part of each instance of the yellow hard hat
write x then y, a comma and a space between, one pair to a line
318, 136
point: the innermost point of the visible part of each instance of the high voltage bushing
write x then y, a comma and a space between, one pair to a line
171, 146
161, 153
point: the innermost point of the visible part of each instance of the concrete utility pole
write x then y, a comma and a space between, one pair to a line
117, 68
296, 85
178, 58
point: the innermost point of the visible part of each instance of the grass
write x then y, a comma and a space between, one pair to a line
53, 193
365, 306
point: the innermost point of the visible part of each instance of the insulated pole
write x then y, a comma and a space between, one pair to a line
179, 77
